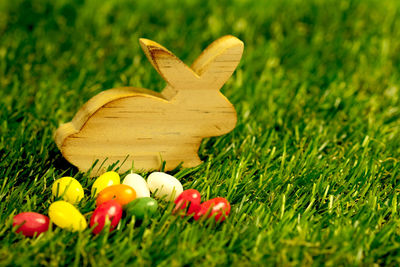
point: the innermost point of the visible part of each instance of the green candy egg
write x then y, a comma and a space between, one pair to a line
141, 207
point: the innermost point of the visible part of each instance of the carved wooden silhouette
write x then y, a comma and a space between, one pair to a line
151, 127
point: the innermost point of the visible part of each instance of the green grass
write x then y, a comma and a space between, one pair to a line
311, 170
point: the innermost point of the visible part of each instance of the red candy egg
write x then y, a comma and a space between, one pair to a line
110, 211
191, 198
219, 206
30, 223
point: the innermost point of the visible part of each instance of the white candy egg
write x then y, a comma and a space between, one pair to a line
163, 185
138, 183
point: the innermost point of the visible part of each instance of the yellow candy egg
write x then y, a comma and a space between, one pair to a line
69, 189
105, 180
66, 216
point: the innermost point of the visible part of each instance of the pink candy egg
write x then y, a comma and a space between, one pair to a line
218, 207
30, 223
109, 211
189, 198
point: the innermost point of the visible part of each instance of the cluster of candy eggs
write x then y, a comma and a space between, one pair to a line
112, 198
188, 203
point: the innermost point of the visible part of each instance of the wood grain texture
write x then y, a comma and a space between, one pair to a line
146, 127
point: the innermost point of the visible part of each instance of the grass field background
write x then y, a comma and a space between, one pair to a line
312, 169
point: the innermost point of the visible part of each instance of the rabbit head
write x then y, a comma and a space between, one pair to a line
197, 88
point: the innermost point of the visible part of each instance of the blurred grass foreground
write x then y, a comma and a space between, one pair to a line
311, 170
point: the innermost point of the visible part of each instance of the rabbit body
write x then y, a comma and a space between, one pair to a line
134, 124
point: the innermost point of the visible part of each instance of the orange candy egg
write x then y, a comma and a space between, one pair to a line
121, 193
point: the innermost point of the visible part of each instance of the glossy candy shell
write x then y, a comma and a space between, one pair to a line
105, 180
65, 215
164, 186
138, 183
30, 223
219, 206
191, 198
142, 207
122, 193
69, 188
108, 211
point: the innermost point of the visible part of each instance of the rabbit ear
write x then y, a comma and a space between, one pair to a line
171, 68
219, 60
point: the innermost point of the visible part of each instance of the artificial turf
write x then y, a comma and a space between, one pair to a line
311, 169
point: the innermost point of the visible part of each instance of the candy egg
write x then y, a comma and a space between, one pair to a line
122, 193
191, 198
219, 206
110, 211
30, 223
65, 215
142, 207
138, 183
68, 188
163, 185
105, 180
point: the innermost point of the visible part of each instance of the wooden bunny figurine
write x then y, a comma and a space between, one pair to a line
146, 127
